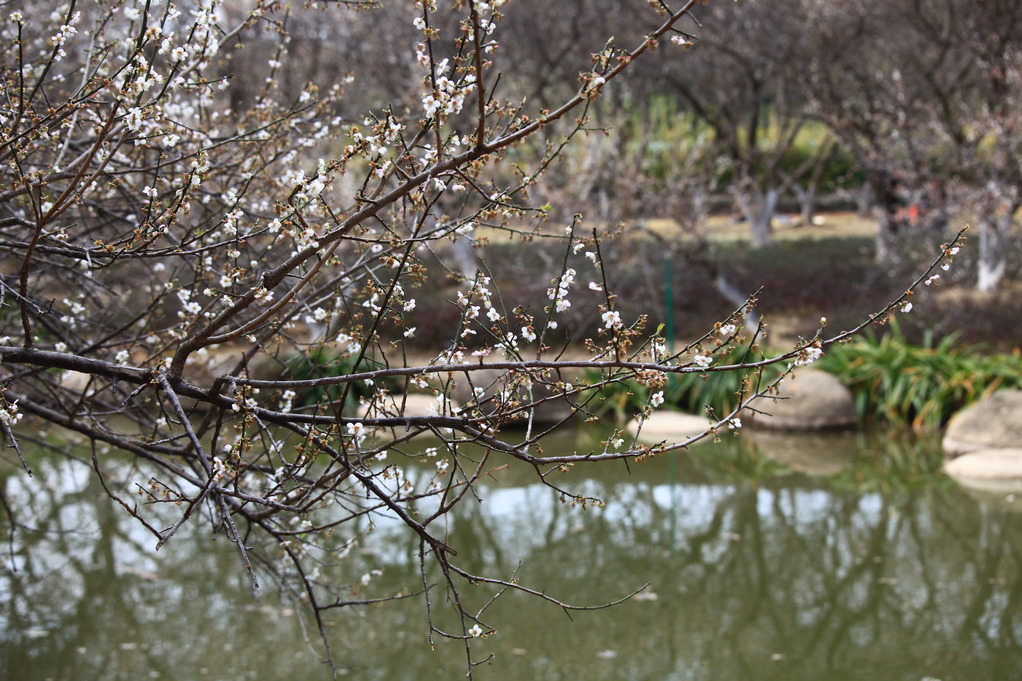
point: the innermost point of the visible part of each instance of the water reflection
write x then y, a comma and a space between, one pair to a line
881, 570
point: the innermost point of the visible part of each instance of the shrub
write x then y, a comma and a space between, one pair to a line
921, 386
694, 393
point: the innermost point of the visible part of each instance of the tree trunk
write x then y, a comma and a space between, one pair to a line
991, 263
887, 228
806, 202
737, 297
886, 191
758, 209
864, 204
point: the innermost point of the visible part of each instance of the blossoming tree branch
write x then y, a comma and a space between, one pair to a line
181, 232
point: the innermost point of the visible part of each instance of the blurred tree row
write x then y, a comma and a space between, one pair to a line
915, 103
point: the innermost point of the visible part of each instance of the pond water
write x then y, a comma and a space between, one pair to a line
855, 561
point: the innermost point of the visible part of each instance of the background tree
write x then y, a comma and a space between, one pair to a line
923, 95
744, 86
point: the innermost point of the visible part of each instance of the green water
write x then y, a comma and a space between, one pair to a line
879, 569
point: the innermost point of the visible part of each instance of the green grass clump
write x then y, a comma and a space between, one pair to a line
690, 392
918, 385
326, 362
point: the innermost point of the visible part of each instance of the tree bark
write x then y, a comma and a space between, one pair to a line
758, 208
991, 263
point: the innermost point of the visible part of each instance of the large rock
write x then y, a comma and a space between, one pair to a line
807, 400
988, 470
411, 404
992, 423
670, 427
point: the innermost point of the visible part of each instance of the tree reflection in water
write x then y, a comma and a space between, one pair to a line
881, 570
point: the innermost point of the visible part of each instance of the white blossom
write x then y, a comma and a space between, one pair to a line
808, 355
702, 360
356, 430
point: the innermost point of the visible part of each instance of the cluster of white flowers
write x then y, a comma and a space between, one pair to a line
76, 309
65, 32
448, 96
480, 291
443, 404
263, 295
658, 350
949, 253
509, 345
559, 294
368, 577
318, 316
593, 83
203, 41
306, 189
200, 166
9, 413
808, 355
141, 78
191, 307
450, 356
230, 226
349, 343
219, 468
307, 238
243, 403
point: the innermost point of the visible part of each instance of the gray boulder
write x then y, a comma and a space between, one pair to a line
807, 400
992, 423
670, 427
996, 471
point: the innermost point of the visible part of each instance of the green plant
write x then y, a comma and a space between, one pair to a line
921, 386
690, 392
322, 363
